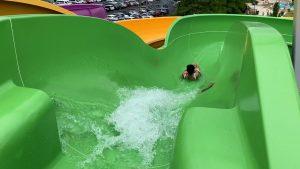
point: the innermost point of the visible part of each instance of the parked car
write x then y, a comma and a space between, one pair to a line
112, 18
133, 12
156, 13
162, 11
133, 3
109, 7
123, 4
120, 15
135, 16
143, 10
143, 2
111, 1
90, 1
116, 5
146, 15
63, 2
151, 12
128, 17
77, 1
127, 3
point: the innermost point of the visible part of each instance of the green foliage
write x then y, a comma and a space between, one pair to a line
188, 7
276, 9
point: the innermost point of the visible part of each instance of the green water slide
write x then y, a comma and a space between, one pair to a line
61, 79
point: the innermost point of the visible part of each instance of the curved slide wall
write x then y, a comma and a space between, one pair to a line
248, 119
153, 30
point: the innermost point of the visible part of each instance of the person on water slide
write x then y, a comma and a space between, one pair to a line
192, 72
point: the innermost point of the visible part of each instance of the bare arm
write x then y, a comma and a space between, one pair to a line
185, 74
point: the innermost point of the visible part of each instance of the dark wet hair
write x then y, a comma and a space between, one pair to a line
190, 69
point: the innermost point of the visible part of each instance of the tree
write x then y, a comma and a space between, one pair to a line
187, 7
276, 9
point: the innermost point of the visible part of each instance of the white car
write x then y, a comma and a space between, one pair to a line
133, 13
63, 2
128, 17
143, 10
78, 2
112, 18
147, 16
112, 1
132, 3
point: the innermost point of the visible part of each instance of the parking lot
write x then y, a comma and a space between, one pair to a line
131, 9
136, 10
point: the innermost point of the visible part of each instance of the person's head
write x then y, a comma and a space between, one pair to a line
190, 69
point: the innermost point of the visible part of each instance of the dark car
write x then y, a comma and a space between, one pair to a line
127, 3
109, 7
116, 5
162, 11
125, 12
120, 15
136, 16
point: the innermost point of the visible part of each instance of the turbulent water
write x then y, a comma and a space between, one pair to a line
136, 133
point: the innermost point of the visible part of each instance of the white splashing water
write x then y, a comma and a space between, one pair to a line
144, 116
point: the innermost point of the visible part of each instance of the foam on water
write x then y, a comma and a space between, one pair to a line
144, 118
146, 115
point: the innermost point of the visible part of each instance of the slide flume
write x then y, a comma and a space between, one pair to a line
153, 30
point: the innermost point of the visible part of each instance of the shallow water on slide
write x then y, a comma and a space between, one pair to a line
137, 133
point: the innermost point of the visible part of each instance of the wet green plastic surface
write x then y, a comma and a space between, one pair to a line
249, 119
